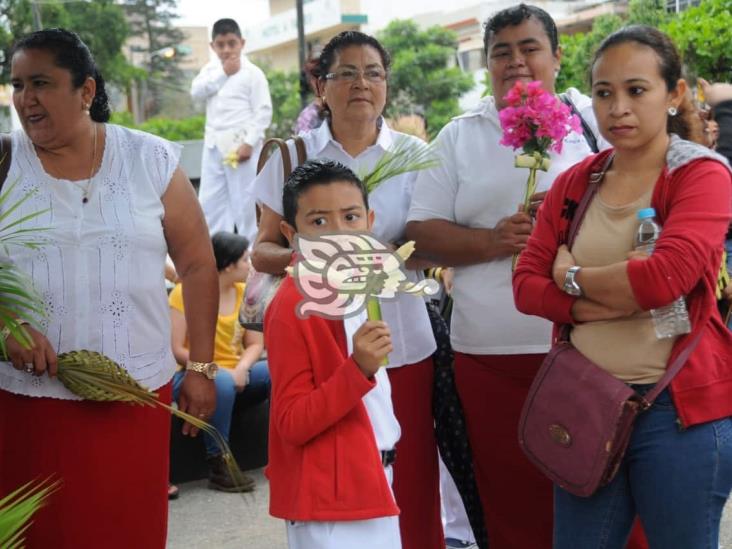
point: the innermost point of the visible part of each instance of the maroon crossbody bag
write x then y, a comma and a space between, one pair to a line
577, 420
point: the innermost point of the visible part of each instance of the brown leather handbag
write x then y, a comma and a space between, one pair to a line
262, 287
577, 419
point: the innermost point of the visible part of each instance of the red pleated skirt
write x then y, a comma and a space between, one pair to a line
112, 460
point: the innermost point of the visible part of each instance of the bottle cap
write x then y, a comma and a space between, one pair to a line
646, 213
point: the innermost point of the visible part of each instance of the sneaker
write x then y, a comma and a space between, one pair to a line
220, 478
452, 543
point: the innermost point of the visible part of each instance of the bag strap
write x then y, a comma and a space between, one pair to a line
6, 148
287, 167
592, 187
672, 370
302, 154
586, 130
284, 153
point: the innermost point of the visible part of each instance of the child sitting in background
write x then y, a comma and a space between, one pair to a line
241, 374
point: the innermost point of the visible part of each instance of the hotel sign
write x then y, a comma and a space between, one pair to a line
282, 28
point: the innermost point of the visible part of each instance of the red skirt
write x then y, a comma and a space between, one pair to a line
112, 460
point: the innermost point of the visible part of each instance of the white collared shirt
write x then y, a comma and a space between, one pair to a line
476, 185
378, 400
238, 107
99, 267
406, 315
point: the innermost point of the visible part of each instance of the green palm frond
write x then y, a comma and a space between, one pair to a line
17, 509
18, 300
407, 155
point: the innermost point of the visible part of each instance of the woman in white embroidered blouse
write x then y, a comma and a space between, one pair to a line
114, 202
352, 84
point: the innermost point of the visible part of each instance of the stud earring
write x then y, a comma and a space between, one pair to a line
672, 111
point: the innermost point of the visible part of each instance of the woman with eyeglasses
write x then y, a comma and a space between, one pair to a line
353, 88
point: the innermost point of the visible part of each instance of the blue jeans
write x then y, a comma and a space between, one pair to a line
256, 391
676, 481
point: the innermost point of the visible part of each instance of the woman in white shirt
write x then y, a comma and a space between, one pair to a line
352, 84
113, 202
464, 214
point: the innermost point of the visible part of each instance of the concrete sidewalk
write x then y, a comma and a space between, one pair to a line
205, 519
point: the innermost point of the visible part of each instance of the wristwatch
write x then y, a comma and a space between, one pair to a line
208, 369
570, 282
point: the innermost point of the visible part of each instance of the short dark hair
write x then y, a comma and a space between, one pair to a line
316, 172
345, 39
225, 26
686, 123
515, 15
228, 248
70, 53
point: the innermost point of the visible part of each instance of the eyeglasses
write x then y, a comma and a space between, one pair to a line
375, 75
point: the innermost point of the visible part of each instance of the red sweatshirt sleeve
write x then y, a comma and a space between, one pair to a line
698, 204
534, 290
300, 410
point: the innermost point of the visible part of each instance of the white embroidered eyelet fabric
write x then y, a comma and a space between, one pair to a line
100, 265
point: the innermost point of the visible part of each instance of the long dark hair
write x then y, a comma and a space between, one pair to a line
70, 53
686, 124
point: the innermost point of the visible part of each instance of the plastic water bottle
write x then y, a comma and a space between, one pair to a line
673, 319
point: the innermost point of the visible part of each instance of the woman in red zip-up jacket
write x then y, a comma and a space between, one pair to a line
677, 472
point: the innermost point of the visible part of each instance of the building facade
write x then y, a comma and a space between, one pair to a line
273, 43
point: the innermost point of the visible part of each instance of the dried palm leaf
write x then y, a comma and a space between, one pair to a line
93, 376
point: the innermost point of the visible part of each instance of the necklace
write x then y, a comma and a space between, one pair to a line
87, 188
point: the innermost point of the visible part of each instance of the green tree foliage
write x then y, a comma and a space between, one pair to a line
579, 49
153, 21
704, 36
84, 18
183, 129
284, 88
420, 72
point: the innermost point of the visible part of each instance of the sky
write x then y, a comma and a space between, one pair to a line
247, 12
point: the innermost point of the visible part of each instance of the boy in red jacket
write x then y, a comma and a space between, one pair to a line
332, 426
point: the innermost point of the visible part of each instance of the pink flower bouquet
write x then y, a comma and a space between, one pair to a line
535, 121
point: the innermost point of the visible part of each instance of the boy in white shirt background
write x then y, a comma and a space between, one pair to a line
238, 111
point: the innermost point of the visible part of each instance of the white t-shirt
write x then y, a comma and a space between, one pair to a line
238, 107
476, 185
406, 315
378, 400
100, 267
